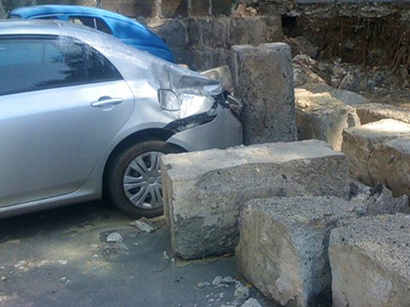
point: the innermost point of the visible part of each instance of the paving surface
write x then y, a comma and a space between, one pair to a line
61, 257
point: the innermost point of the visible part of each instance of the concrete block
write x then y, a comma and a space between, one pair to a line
204, 192
263, 79
174, 8
207, 59
323, 117
379, 152
370, 262
373, 112
283, 246
222, 7
174, 32
208, 33
247, 31
200, 8
131, 8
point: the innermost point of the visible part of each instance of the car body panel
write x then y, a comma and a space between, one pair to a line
57, 145
126, 29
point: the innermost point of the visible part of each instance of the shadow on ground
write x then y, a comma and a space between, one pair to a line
62, 258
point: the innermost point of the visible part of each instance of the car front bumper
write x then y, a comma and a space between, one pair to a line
220, 129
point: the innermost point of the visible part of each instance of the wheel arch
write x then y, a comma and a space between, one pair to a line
137, 137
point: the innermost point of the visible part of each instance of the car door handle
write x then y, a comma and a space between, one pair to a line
106, 101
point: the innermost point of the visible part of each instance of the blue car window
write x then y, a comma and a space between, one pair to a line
29, 64
92, 22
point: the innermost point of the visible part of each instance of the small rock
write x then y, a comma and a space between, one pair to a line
3, 278
2, 268
143, 226
63, 262
252, 302
64, 280
114, 237
201, 285
220, 281
241, 292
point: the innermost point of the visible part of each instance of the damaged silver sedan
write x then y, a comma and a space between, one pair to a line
83, 115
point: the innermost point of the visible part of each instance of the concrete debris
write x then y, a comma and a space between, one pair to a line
269, 110
370, 261
379, 152
201, 285
4, 278
114, 237
64, 280
252, 302
143, 225
283, 244
241, 291
220, 281
323, 117
204, 192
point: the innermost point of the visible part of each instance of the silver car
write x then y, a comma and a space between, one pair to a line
84, 115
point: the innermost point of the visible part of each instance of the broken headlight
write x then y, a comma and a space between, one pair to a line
184, 105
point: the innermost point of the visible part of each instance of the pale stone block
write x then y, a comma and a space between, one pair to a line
204, 192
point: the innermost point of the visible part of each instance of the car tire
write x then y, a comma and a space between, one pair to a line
134, 178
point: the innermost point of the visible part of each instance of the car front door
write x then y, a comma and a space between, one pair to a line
61, 103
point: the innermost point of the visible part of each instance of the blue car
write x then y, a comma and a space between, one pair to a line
124, 28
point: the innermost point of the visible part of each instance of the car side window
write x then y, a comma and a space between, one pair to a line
28, 64
99, 68
93, 22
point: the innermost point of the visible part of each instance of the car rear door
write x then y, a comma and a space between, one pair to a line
61, 104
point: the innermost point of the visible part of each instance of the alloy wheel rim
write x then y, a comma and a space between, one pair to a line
142, 181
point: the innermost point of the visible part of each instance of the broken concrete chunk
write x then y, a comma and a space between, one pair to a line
263, 80
379, 152
373, 112
379, 199
204, 192
323, 117
114, 237
370, 261
283, 245
143, 226
252, 302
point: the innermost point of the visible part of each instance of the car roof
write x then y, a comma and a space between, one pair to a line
27, 12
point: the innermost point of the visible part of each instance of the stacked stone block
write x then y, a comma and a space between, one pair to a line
204, 192
370, 262
283, 246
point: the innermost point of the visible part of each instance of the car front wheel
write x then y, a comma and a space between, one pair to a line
134, 179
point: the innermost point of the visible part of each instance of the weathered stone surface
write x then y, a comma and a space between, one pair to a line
174, 32
379, 152
131, 8
247, 31
207, 59
378, 199
223, 74
208, 33
200, 8
302, 74
374, 112
320, 116
222, 7
370, 261
263, 79
283, 246
174, 8
205, 191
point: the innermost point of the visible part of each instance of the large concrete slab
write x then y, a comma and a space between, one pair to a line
370, 261
283, 246
263, 79
204, 192
379, 152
